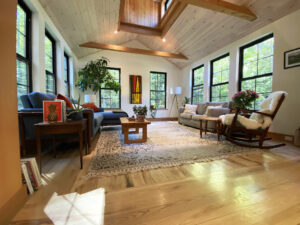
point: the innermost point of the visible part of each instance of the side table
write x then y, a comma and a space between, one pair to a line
69, 127
217, 120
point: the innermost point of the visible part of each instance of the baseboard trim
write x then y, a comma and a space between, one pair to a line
281, 137
163, 119
10, 209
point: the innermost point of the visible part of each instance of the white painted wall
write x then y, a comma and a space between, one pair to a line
134, 64
40, 22
286, 37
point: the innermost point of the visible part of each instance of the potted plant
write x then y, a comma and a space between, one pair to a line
140, 112
153, 111
244, 99
96, 75
186, 100
76, 114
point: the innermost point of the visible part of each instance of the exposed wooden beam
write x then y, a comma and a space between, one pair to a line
120, 48
171, 15
223, 7
138, 29
121, 11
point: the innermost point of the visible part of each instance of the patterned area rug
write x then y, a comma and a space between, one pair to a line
169, 144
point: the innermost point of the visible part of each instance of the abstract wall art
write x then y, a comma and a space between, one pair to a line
135, 89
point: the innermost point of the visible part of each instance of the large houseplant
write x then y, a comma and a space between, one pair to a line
95, 75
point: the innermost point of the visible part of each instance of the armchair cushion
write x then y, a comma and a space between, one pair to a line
243, 121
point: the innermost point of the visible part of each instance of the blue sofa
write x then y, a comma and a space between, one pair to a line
32, 113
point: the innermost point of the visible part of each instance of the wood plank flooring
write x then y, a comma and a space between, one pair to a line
256, 189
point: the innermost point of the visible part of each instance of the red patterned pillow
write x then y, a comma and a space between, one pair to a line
91, 105
66, 99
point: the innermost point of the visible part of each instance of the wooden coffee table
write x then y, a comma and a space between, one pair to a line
69, 127
126, 125
218, 122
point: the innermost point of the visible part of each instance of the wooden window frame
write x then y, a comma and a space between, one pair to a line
212, 74
193, 85
66, 56
54, 74
100, 97
28, 45
165, 90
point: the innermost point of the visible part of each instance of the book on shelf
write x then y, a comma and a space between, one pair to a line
31, 174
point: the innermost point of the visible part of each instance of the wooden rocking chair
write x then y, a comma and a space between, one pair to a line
242, 136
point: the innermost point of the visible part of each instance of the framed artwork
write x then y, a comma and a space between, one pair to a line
292, 58
135, 89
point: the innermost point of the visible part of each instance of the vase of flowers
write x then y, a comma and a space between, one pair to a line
244, 99
140, 112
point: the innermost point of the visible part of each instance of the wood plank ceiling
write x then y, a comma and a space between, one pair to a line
196, 33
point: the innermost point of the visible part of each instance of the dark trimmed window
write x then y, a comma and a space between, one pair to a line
50, 63
109, 99
67, 74
158, 87
167, 4
256, 67
23, 50
197, 84
219, 78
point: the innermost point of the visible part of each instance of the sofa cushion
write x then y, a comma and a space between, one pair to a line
110, 115
197, 117
186, 115
98, 118
222, 104
201, 108
37, 98
25, 101
190, 109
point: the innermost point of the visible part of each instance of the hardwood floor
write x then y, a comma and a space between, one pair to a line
250, 189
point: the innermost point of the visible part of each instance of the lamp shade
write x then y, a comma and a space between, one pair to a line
178, 90
171, 91
90, 98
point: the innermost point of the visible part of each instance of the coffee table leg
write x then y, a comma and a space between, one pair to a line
80, 147
144, 133
38, 148
201, 128
218, 129
205, 131
126, 130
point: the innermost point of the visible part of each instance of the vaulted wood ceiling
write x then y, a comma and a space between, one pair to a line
196, 33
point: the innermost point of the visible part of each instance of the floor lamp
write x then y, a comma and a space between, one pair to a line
178, 91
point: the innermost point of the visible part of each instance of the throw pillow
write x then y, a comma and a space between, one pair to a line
66, 99
201, 108
190, 109
91, 105
212, 107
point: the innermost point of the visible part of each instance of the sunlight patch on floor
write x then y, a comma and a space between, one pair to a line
74, 208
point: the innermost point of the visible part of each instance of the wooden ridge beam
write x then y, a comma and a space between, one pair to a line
120, 48
223, 7
138, 29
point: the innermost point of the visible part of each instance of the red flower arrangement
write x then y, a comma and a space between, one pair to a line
243, 99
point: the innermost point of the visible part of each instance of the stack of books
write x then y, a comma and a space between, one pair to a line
31, 174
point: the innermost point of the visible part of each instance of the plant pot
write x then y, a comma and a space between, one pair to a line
140, 118
75, 116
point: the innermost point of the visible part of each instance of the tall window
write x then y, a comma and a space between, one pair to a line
256, 67
50, 57
158, 86
197, 84
219, 78
67, 75
23, 44
109, 99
